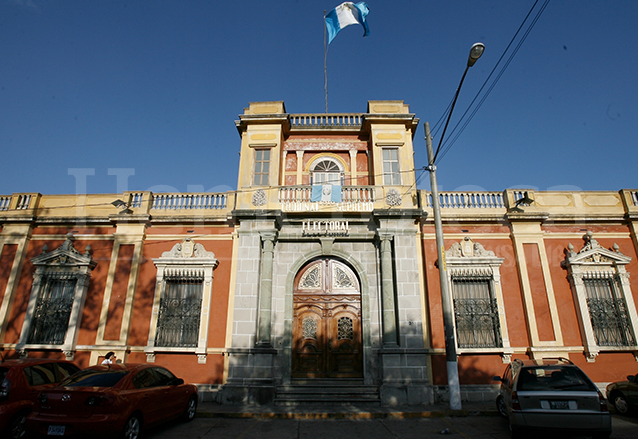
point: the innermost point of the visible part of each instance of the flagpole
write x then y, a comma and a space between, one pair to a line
325, 60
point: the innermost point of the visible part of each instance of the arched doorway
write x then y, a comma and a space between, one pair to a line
327, 322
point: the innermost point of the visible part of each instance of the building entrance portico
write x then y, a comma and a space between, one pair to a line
327, 340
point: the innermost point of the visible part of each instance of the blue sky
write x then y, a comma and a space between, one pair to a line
105, 96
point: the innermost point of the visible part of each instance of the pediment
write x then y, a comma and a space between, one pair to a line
187, 251
599, 255
593, 253
65, 255
470, 252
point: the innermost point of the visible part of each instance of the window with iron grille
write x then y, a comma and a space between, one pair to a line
602, 294
391, 174
475, 312
262, 167
52, 310
179, 311
608, 312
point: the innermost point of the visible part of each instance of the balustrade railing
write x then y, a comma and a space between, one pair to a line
5, 202
468, 200
135, 199
189, 201
347, 120
634, 197
349, 194
24, 201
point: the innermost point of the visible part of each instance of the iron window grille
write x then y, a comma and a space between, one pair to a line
180, 307
476, 313
608, 312
52, 310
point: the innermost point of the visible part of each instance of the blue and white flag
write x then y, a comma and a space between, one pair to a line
326, 192
345, 14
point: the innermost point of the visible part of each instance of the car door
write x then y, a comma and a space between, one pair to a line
150, 398
506, 387
174, 396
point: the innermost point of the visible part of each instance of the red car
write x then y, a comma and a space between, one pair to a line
21, 381
118, 399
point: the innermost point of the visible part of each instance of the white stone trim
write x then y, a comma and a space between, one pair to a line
471, 257
64, 259
186, 255
593, 260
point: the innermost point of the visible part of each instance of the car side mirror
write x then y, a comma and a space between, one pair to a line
631, 378
495, 378
179, 382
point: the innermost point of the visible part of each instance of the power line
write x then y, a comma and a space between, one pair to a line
463, 122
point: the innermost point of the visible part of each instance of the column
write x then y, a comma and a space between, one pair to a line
299, 168
387, 291
353, 167
265, 288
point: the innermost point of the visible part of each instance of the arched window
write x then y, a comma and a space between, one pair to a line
327, 171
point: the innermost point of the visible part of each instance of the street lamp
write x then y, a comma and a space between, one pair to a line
446, 301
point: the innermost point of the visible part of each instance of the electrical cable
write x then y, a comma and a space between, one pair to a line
463, 122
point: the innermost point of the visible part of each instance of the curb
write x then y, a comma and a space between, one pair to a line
348, 415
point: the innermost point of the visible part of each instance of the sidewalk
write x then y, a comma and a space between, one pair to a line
352, 411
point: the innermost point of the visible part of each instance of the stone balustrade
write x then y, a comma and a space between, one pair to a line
468, 200
203, 201
349, 194
322, 121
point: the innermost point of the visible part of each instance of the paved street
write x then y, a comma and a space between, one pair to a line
461, 427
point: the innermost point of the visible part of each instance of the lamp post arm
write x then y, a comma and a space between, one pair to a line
449, 116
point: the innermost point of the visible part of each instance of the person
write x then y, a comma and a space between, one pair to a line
109, 358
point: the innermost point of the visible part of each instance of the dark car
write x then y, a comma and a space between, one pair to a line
118, 399
551, 394
21, 381
624, 395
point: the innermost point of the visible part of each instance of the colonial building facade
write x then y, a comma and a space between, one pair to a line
318, 277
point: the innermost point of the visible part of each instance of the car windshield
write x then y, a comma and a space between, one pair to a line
553, 378
95, 378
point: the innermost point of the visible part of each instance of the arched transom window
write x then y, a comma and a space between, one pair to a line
327, 171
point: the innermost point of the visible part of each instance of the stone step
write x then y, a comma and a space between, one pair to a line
326, 392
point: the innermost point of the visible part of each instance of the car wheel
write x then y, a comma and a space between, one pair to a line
500, 406
620, 403
132, 428
16, 426
191, 409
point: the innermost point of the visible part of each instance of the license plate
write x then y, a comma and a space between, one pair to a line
559, 405
56, 430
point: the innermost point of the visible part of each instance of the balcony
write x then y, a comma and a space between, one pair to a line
326, 121
353, 199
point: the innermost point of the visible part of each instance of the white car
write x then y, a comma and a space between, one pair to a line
554, 395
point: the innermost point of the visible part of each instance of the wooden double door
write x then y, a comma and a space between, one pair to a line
327, 322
